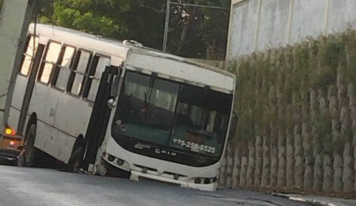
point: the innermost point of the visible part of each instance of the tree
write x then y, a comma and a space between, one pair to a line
204, 28
194, 32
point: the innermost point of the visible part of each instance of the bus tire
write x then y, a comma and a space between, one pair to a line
73, 163
28, 157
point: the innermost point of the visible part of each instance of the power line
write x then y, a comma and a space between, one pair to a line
198, 5
168, 8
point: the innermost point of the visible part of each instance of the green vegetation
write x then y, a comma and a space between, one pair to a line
194, 32
280, 90
297, 108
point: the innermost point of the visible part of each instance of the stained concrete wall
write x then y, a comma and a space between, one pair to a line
258, 25
273, 23
297, 116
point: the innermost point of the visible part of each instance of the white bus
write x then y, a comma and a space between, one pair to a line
117, 108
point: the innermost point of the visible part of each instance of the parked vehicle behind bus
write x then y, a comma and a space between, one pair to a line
120, 109
11, 146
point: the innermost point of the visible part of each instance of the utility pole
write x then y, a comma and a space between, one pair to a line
168, 8
15, 17
166, 26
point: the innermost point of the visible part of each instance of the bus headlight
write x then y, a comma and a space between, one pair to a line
120, 162
111, 158
206, 181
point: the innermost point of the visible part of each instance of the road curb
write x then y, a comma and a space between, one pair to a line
314, 203
312, 200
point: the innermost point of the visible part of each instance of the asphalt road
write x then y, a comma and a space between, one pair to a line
40, 187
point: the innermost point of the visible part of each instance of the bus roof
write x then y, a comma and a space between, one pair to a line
108, 46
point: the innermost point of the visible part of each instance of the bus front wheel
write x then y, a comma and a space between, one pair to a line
73, 163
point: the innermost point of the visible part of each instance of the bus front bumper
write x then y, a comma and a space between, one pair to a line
135, 175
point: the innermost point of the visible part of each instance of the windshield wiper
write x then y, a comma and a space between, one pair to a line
148, 97
150, 88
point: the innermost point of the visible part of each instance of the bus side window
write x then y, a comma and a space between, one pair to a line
29, 55
62, 72
78, 72
49, 61
98, 67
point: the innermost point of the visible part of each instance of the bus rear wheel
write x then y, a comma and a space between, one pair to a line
28, 157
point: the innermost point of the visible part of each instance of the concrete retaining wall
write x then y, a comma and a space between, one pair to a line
258, 25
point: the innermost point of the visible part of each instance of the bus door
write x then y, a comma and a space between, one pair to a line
100, 115
29, 88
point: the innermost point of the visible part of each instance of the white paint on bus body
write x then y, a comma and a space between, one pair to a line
180, 69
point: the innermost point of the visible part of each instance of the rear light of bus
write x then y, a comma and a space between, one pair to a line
9, 131
13, 144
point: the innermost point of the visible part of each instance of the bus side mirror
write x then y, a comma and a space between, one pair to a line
233, 125
115, 81
115, 86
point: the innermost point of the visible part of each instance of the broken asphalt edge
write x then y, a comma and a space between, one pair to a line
308, 200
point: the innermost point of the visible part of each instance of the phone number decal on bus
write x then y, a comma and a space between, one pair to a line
195, 146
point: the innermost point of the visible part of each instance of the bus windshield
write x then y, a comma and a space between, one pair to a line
172, 114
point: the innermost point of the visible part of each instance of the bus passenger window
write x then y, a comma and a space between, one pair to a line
79, 72
63, 69
29, 55
50, 61
94, 80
